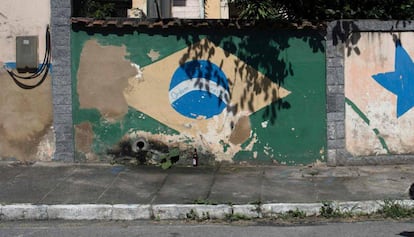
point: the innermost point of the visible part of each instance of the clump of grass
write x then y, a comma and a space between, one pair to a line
329, 210
204, 202
395, 210
292, 214
236, 217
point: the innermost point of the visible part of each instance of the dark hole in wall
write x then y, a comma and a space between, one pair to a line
124, 151
140, 144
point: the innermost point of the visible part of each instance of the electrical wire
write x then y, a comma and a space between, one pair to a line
44, 68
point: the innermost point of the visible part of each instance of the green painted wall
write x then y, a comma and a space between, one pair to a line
289, 131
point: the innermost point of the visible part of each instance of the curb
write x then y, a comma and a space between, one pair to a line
178, 211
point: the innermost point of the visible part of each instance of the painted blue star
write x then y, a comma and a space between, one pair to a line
401, 81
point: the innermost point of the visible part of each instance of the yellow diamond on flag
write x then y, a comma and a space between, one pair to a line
202, 91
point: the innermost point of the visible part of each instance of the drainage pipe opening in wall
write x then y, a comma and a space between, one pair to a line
140, 144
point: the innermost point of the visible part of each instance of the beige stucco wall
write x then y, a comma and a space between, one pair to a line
26, 116
140, 4
217, 9
371, 124
20, 18
212, 9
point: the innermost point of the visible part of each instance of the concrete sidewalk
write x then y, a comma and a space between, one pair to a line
60, 185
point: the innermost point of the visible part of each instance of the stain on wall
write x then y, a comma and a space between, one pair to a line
379, 88
221, 92
241, 131
26, 132
84, 139
100, 86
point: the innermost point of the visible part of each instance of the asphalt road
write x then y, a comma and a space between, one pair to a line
181, 229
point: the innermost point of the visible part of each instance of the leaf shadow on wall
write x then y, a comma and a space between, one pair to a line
348, 33
256, 50
261, 48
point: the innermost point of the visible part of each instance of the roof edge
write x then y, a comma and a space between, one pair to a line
194, 23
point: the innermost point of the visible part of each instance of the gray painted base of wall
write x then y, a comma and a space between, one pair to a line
371, 160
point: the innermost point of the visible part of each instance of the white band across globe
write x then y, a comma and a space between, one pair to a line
199, 88
188, 86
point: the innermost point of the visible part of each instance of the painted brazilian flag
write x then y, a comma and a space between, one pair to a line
255, 96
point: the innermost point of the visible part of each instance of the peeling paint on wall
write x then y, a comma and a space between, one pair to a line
241, 131
84, 137
99, 85
378, 117
224, 124
222, 94
47, 146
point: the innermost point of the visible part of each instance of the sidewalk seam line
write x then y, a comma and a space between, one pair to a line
262, 185
212, 181
108, 187
10, 181
159, 189
57, 185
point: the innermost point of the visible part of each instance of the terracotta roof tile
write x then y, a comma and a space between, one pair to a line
197, 23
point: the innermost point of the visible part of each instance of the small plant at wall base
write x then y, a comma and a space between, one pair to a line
292, 214
236, 217
204, 202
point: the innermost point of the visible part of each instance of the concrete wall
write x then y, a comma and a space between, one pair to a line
370, 91
216, 9
26, 116
238, 96
250, 96
212, 9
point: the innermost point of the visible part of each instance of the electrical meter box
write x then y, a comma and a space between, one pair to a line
27, 59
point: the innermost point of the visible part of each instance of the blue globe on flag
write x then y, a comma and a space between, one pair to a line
199, 89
